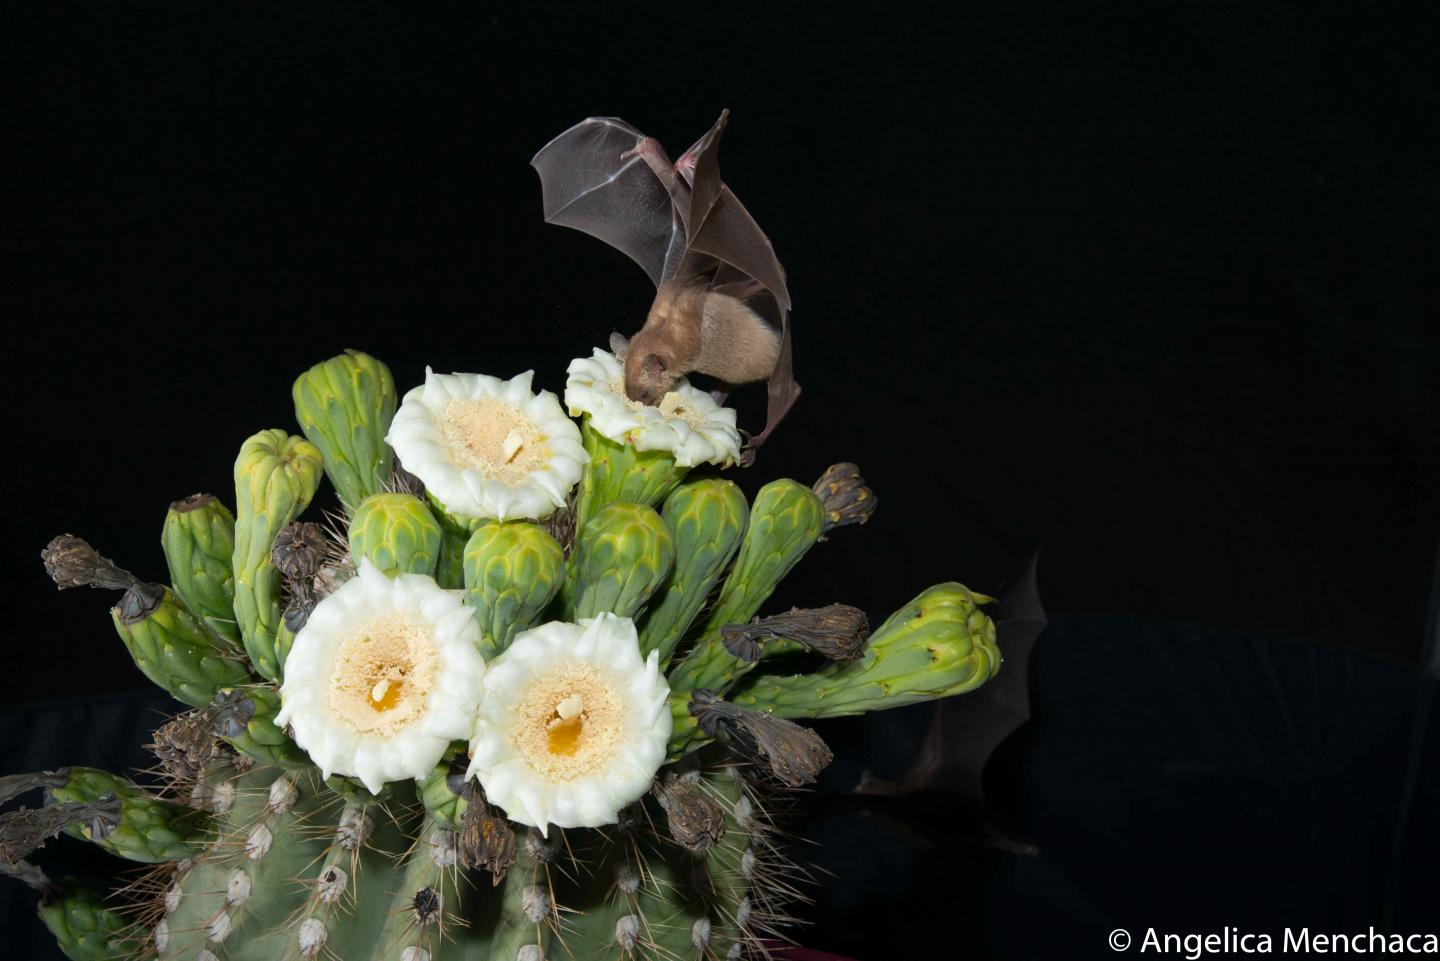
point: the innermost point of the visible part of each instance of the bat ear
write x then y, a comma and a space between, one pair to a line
619, 344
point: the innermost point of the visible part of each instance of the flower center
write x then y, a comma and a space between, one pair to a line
672, 405
569, 722
382, 675
494, 438
567, 726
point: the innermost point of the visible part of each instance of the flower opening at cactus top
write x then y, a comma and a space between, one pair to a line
382, 677
486, 447
492, 437
573, 724
687, 422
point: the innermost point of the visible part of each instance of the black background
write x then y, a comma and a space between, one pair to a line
1150, 286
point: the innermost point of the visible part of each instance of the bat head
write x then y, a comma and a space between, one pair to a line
648, 377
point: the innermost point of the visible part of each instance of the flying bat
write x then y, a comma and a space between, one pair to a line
721, 306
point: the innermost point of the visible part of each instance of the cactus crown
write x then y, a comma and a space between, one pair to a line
571, 693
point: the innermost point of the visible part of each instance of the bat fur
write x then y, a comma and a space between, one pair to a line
692, 329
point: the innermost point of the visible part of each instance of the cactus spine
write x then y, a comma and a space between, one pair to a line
258, 857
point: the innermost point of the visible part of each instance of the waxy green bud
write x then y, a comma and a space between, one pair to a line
512, 571
785, 521
199, 543
148, 830
443, 790
397, 533
86, 929
344, 406
178, 651
276, 475
708, 518
624, 553
618, 473
939, 644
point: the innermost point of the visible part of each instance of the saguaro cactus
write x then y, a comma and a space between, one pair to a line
432, 693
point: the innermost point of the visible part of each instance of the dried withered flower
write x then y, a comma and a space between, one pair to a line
184, 744
71, 562
486, 839
14, 785
26, 873
230, 713
846, 498
192, 503
22, 831
837, 631
297, 610
696, 820
299, 549
795, 755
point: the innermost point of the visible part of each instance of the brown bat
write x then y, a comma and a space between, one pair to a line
721, 306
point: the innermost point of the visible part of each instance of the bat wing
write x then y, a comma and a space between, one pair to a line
721, 231
720, 228
592, 179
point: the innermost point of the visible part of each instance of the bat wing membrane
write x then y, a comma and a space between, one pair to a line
588, 183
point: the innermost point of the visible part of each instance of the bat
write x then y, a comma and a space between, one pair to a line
721, 306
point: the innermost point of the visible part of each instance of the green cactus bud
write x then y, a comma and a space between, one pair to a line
785, 522
450, 572
708, 518
199, 543
177, 651
397, 533
618, 473
344, 406
624, 553
85, 929
149, 829
249, 727
276, 475
939, 644
443, 790
512, 571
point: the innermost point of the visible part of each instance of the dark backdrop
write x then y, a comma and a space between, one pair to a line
1149, 287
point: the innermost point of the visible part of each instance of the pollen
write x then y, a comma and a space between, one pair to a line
382, 675
569, 722
492, 437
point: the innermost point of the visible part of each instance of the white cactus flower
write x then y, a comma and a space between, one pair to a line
687, 422
382, 677
573, 724
488, 448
